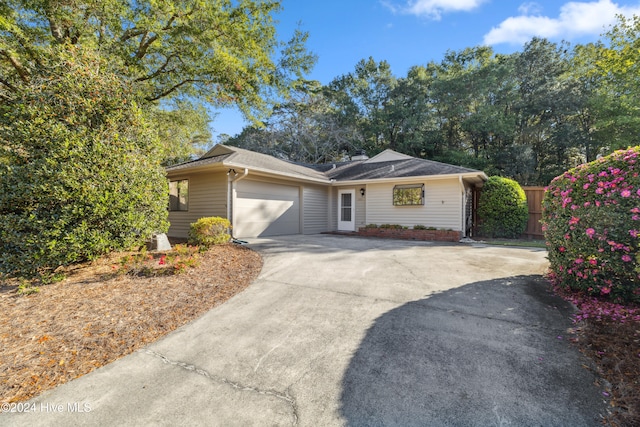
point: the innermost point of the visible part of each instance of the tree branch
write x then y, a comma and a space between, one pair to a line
159, 70
171, 21
22, 72
132, 32
144, 45
170, 90
56, 30
11, 87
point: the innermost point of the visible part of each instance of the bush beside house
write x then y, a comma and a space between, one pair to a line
502, 208
80, 171
209, 231
591, 221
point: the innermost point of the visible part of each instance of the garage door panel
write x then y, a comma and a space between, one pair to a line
264, 209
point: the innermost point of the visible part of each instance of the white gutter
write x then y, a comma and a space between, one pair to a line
230, 181
464, 210
279, 174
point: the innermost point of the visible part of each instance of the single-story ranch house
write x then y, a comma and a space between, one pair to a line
265, 196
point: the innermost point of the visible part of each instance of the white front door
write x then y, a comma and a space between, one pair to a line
346, 210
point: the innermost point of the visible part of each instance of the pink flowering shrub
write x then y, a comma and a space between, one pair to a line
591, 221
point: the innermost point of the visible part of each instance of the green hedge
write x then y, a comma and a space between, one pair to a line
502, 208
209, 231
80, 171
591, 221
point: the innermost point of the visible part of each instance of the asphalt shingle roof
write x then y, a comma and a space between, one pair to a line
198, 162
362, 170
263, 161
345, 171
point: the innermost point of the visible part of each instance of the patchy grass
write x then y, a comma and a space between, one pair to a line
515, 242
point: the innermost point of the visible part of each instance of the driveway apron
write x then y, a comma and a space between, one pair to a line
342, 331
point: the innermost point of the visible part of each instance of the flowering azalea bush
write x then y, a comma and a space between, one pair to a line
591, 221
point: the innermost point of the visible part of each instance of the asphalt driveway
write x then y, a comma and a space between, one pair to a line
353, 331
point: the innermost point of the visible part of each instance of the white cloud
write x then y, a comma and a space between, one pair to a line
575, 19
433, 8
531, 8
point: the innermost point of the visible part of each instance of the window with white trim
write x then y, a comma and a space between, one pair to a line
179, 195
408, 195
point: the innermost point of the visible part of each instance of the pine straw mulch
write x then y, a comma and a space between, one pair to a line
92, 318
615, 349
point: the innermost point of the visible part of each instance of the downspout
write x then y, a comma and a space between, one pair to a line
464, 210
230, 181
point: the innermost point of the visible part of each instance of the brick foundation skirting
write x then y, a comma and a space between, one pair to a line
410, 234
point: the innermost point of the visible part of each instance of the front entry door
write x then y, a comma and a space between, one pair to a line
346, 210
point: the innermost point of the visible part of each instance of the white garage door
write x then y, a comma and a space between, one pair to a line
264, 209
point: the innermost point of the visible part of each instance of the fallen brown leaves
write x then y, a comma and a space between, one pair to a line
90, 319
615, 349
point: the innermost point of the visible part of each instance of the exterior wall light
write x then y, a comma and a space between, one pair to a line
362, 192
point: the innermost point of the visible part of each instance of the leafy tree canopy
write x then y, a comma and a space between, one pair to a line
220, 51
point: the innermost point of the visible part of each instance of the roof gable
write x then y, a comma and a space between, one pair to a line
217, 150
388, 155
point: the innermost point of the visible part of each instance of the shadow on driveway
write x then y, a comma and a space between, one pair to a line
488, 353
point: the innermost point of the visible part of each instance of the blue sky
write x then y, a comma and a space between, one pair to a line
415, 32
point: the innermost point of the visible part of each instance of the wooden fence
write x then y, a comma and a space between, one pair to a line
534, 199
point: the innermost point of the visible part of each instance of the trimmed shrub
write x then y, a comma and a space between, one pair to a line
591, 221
209, 231
392, 226
503, 208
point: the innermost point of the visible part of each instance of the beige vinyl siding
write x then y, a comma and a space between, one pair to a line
442, 206
207, 197
315, 200
333, 208
361, 209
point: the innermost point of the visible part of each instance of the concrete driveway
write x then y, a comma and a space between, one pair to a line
357, 332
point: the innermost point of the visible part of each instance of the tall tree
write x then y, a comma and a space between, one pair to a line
544, 105
363, 96
221, 51
304, 129
616, 63
183, 129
